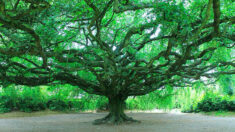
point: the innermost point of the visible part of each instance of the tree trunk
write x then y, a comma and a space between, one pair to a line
116, 112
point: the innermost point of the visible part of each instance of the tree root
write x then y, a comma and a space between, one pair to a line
114, 119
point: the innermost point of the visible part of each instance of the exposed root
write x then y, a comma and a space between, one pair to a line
115, 120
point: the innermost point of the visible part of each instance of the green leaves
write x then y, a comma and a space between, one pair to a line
96, 50
131, 50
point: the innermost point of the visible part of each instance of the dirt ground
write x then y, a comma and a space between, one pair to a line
150, 122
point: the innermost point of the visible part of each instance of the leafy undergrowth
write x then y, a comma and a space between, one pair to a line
32, 99
213, 102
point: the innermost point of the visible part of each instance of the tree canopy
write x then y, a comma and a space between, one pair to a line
115, 48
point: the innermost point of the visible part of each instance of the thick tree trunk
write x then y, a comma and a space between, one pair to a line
116, 112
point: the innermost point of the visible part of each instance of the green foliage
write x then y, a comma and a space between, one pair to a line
214, 102
61, 98
58, 104
186, 99
6, 104
211, 101
161, 99
197, 98
25, 99
58, 98
132, 50
227, 84
29, 104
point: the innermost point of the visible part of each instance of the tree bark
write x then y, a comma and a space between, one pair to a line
116, 112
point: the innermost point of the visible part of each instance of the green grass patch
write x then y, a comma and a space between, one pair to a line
220, 113
18, 114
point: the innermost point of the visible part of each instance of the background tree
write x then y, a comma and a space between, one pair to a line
115, 48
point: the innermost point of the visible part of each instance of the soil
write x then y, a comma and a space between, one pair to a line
150, 122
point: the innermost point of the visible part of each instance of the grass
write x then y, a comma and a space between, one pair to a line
220, 113
17, 114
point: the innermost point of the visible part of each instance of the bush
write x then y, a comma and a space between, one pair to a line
58, 104
29, 104
6, 102
102, 105
24, 99
26, 104
216, 104
231, 105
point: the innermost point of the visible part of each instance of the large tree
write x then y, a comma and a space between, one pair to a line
115, 48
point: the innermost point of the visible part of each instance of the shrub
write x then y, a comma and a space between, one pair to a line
29, 104
216, 104
6, 104
231, 105
58, 104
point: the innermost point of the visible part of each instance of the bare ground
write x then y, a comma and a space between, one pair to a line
151, 122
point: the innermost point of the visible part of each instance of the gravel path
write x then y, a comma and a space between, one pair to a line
151, 122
